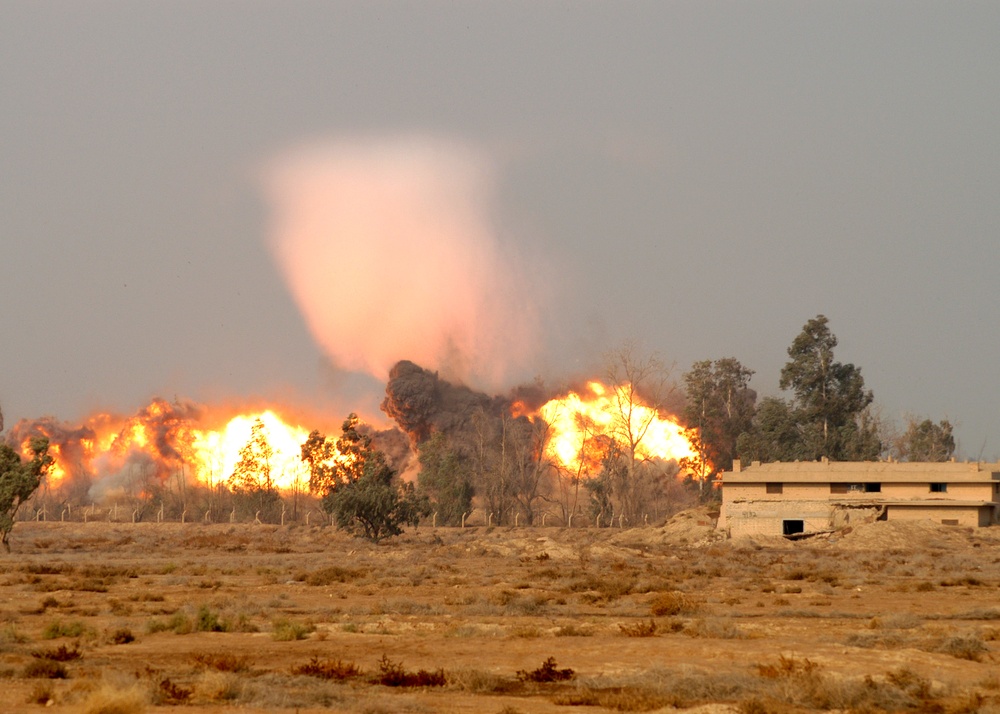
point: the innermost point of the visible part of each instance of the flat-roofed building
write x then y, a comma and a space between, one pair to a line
815, 496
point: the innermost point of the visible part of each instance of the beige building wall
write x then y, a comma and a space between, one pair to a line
769, 499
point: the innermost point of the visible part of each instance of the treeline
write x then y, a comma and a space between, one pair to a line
829, 413
478, 457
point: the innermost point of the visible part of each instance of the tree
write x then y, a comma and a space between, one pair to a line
830, 398
443, 480
925, 441
721, 406
359, 489
251, 477
773, 435
375, 504
530, 467
642, 388
19, 480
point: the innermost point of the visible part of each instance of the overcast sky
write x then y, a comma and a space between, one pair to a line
703, 177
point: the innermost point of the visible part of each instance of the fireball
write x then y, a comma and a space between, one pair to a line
583, 423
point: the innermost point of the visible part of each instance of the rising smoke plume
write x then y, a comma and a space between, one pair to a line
388, 250
423, 404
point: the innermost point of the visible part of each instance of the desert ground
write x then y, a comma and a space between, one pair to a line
122, 617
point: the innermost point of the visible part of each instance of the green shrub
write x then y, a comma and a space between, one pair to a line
208, 621
58, 628
285, 630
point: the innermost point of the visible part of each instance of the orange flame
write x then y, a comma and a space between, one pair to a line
171, 439
583, 423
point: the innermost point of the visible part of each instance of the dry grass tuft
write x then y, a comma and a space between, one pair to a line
639, 629
222, 661
45, 669
112, 698
671, 604
330, 575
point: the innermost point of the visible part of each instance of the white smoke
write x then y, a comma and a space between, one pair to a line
388, 250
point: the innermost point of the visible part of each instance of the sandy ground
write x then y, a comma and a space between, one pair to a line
213, 617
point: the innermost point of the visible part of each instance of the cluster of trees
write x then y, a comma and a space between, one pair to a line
829, 414
503, 460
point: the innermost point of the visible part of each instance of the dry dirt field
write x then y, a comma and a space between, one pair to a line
126, 618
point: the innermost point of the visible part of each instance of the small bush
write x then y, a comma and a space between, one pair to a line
786, 667
285, 630
112, 698
167, 692
41, 694
548, 672
330, 575
639, 629
60, 654
717, 629
45, 669
64, 629
223, 662
121, 636
572, 630
392, 674
208, 621
970, 647
670, 604
333, 669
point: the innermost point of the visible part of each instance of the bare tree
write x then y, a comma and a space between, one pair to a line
531, 466
642, 389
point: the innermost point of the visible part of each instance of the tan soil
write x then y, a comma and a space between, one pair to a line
764, 624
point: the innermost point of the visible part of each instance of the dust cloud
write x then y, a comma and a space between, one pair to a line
387, 248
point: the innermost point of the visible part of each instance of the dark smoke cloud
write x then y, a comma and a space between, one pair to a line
423, 404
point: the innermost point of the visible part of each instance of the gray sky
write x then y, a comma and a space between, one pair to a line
703, 177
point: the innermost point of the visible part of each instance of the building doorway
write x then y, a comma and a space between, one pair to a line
791, 527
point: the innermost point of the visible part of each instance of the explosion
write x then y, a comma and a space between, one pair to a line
583, 423
165, 440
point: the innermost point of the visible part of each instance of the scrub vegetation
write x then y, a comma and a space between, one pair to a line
500, 619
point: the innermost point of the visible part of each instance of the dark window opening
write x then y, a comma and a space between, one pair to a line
939, 488
873, 488
792, 527
774, 487
838, 488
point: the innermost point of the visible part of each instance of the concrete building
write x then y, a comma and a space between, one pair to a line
816, 496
